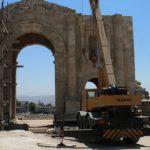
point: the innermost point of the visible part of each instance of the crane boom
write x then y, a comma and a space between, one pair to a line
107, 72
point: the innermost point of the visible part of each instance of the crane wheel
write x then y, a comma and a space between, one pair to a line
80, 122
131, 140
88, 123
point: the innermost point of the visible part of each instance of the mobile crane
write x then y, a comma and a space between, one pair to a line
112, 112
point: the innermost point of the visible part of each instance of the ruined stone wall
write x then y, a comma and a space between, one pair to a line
120, 37
67, 33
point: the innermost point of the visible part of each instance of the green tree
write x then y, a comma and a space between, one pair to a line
32, 107
143, 91
49, 104
40, 103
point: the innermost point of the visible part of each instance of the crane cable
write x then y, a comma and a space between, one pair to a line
82, 7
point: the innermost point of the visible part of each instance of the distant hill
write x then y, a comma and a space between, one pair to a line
43, 98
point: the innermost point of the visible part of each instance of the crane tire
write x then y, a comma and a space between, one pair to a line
131, 140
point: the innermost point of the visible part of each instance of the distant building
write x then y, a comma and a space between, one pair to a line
45, 109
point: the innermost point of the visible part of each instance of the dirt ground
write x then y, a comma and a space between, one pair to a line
27, 140
28, 116
36, 123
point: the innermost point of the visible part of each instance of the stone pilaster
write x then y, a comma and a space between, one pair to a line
71, 47
71, 102
118, 50
129, 54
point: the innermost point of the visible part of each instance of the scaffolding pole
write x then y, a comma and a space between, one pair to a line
3, 49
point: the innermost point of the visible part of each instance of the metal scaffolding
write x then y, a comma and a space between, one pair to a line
4, 35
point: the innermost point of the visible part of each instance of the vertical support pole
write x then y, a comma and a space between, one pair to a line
13, 103
7, 11
1, 95
2, 7
1, 74
3, 48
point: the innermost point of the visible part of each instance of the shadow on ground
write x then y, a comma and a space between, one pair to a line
107, 145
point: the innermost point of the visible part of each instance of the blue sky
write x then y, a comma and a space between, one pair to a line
37, 77
138, 9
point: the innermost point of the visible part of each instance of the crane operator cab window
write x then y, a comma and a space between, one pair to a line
91, 88
91, 93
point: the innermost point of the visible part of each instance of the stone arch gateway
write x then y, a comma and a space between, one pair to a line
67, 34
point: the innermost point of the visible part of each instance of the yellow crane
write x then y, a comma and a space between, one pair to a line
112, 112
106, 73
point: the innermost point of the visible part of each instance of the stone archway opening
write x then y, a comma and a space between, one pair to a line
29, 40
36, 80
92, 84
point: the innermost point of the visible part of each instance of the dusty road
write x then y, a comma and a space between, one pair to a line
25, 140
